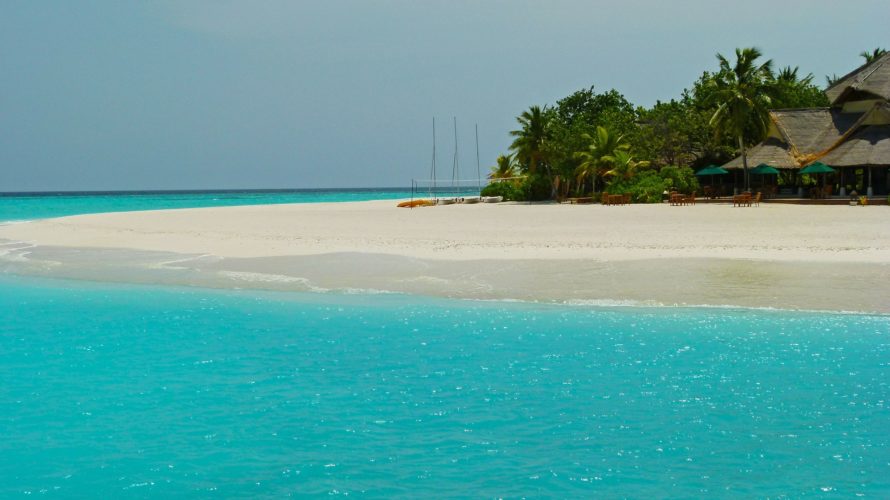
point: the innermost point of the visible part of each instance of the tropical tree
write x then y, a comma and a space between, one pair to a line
598, 154
505, 168
529, 143
743, 94
793, 91
624, 166
873, 55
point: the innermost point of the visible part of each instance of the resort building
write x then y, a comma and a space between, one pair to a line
852, 136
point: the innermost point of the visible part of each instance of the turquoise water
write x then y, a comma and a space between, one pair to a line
39, 206
124, 391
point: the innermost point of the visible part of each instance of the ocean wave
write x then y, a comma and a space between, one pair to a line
253, 277
169, 264
627, 303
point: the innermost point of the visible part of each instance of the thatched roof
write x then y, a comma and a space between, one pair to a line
772, 151
814, 129
824, 134
872, 78
870, 146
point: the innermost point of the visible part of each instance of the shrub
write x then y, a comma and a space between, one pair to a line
680, 178
536, 187
507, 189
645, 187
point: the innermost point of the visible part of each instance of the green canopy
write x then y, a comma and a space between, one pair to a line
817, 168
764, 169
712, 170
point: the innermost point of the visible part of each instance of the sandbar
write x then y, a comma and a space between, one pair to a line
775, 255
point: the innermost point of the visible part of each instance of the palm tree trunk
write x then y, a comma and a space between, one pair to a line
744, 162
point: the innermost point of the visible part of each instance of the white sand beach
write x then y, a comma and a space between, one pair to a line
810, 257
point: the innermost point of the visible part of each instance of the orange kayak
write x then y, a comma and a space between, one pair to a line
416, 203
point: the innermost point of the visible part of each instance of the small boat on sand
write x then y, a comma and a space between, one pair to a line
416, 203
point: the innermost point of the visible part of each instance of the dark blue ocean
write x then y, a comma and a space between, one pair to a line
113, 390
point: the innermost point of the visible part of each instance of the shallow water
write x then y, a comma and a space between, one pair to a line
121, 390
18, 207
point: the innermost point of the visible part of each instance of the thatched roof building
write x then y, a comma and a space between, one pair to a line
853, 133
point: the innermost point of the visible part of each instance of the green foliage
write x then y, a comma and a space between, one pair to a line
646, 187
570, 147
505, 168
792, 91
873, 55
598, 155
624, 165
529, 143
508, 190
682, 179
574, 119
589, 109
537, 187
744, 93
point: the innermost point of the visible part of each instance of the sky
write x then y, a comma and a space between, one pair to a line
111, 95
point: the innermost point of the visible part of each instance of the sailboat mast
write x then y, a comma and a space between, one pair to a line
455, 169
433, 165
478, 169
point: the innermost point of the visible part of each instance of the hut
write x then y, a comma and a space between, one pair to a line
852, 135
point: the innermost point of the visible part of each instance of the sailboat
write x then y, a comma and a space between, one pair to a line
455, 169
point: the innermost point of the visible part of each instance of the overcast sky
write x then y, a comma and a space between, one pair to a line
106, 95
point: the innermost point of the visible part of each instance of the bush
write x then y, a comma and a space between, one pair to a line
536, 187
645, 187
507, 189
681, 179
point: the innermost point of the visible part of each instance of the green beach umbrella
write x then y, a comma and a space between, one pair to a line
817, 168
764, 169
712, 170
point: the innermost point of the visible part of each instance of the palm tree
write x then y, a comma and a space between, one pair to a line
873, 55
598, 154
788, 75
505, 168
530, 140
624, 166
743, 94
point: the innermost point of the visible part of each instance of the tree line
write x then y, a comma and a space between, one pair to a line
590, 142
